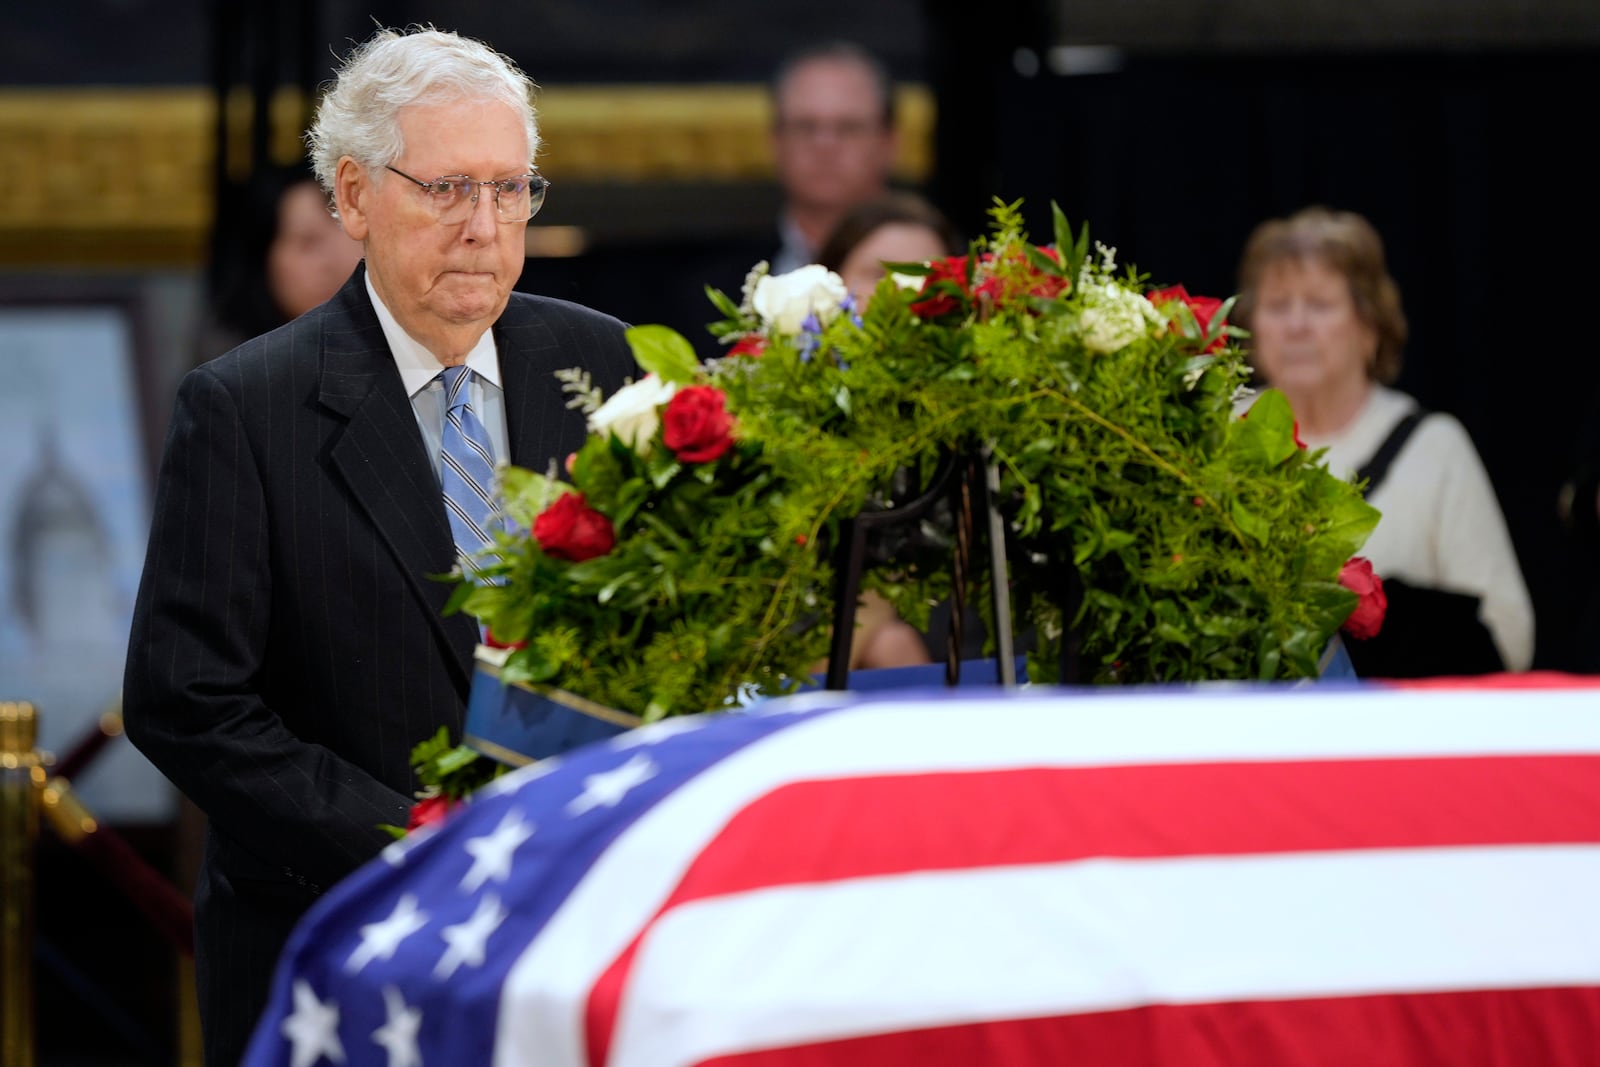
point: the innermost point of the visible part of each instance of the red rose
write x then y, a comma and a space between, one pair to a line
1367, 618
494, 642
939, 288
696, 424
949, 289
988, 290
1205, 308
1040, 283
950, 269
934, 306
429, 811
751, 344
1048, 286
570, 529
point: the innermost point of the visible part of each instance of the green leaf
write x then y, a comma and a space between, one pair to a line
1304, 649
454, 760
537, 663
1248, 521
722, 302
1045, 264
1350, 520
1171, 633
1219, 322
458, 598
1074, 250
1268, 658
663, 466
526, 493
664, 352
1115, 539
1266, 432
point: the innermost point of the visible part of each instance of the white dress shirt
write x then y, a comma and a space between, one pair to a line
419, 370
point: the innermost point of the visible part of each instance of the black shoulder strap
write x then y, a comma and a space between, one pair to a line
1377, 468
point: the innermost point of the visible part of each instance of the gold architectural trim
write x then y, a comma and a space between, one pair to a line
122, 176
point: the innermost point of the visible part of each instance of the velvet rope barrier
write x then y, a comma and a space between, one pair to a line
91, 743
168, 910
28, 791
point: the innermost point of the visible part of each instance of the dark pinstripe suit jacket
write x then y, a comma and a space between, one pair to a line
287, 648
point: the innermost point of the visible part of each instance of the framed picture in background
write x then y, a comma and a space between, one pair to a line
74, 518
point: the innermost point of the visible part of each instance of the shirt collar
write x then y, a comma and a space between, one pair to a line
794, 251
417, 365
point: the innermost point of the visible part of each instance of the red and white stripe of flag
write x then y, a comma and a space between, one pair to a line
1297, 877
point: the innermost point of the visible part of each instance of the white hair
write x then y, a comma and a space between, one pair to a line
359, 114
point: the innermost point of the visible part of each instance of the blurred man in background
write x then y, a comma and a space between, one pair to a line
833, 142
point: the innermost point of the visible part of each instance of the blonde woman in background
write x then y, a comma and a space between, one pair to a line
1327, 331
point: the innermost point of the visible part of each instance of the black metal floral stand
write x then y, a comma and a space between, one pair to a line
969, 480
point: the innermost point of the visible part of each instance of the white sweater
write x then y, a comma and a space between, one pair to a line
1441, 525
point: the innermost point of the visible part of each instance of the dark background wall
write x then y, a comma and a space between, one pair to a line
177, 42
1467, 164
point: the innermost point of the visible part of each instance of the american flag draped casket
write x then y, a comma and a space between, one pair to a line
1340, 874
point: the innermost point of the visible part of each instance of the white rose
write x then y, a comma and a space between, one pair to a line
633, 412
1114, 317
783, 301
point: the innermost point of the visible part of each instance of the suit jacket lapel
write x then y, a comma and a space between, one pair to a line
381, 458
530, 355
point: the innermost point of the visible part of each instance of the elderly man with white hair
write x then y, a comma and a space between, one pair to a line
288, 646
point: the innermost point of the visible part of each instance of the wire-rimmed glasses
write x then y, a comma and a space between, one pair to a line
453, 196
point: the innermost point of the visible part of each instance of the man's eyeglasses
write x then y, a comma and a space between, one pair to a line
849, 130
453, 196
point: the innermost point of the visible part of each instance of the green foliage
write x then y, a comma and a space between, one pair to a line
1207, 546
708, 589
448, 770
453, 771
662, 351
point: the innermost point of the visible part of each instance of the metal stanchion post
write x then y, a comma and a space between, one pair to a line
22, 776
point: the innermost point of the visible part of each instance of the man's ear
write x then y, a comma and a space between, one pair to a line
352, 195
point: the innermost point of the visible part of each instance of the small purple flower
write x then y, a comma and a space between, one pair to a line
810, 334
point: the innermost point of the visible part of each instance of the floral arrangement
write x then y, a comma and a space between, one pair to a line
1207, 546
684, 557
668, 571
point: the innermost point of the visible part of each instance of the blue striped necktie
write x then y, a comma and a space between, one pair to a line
467, 470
